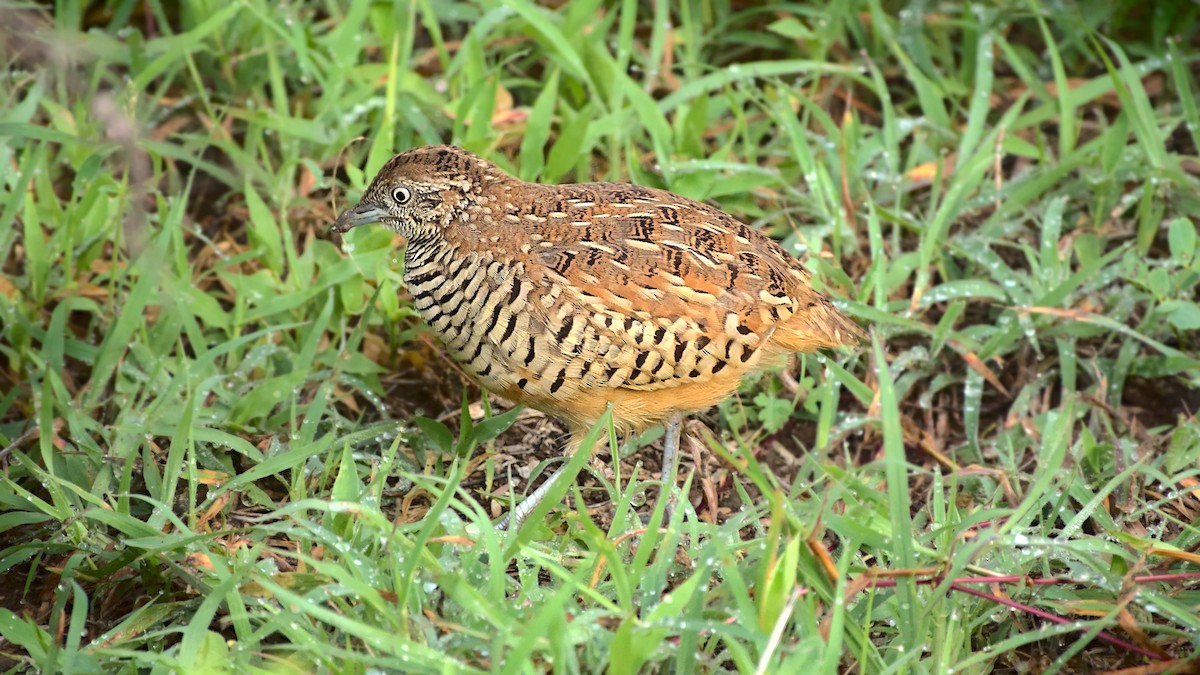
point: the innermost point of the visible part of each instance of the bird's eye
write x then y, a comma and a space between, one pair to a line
401, 195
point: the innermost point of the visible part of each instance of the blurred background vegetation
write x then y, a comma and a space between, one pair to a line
228, 445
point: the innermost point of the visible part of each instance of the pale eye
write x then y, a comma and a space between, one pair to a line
401, 195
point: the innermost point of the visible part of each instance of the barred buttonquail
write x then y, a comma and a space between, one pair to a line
572, 298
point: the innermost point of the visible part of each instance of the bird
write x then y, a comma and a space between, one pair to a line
576, 298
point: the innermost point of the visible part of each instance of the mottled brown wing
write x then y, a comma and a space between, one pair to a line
643, 289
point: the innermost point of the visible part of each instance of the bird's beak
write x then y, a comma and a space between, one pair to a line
362, 214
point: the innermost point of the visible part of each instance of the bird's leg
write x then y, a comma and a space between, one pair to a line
521, 511
670, 462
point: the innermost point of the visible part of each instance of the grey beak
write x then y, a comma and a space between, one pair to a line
362, 214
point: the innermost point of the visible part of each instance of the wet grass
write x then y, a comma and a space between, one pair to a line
228, 444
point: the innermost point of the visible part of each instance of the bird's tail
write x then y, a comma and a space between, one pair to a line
819, 326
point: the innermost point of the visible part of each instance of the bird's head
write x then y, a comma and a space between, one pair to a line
421, 191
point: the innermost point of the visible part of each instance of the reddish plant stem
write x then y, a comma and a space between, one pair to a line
1111, 639
960, 585
1047, 581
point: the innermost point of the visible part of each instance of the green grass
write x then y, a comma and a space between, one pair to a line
229, 445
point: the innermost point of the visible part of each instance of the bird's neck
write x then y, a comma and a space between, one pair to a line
424, 246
